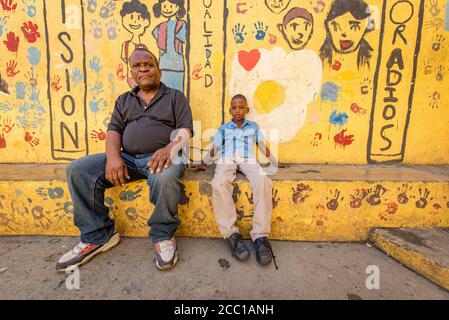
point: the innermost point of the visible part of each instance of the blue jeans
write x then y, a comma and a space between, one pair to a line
87, 184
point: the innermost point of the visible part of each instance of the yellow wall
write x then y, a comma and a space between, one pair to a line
56, 102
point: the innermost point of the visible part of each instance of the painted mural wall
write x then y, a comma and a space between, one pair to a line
342, 81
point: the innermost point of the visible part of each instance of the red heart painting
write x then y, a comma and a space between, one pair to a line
248, 60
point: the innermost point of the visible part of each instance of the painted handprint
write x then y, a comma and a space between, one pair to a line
7, 125
239, 33
8, 5
11, 68
2, 141
332, 204
95, 28
107, 10
20, 90
77, 76
99, 135
94, 64
95, 104
33, 141
3, 21
422, 202
129, 195
120, 72
112, 29
261, 30
97, 88
196, 72
12, 42
91, 5
30, 7
55, 86
30, 32
374, 199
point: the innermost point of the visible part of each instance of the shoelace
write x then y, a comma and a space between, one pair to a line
267, 243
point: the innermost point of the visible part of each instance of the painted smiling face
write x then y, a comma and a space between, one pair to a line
297, 32
346, 32
277, 6
169, 9
135, 23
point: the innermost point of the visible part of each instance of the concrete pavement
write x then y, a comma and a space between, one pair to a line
206, 270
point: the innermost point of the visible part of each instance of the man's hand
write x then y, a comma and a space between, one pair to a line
116, 171
160, 160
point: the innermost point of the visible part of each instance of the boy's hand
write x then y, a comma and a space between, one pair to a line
199, 167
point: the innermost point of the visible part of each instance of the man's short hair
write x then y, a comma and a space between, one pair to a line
239, 96
143, 49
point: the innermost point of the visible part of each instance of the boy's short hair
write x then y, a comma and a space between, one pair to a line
239, 96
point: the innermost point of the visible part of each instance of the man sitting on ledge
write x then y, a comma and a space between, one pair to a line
138, 146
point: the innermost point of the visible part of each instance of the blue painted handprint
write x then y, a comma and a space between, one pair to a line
95, 64
77, 77
30, 7
239, 33
20, 90
2, 25
91, 5
261, 30
107, 10
95, 104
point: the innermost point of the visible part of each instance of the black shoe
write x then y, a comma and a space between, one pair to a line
239, 250
263, 250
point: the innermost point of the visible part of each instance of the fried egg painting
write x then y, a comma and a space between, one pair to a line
278, 87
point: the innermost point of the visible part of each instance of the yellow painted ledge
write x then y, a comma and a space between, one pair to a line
423, 259
303, 210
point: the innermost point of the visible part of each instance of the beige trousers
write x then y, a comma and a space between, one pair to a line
224, 207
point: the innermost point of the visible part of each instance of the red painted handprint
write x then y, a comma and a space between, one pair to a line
119, 72
55, 86
11, 68
12, 42
33, 141
30, 31
8, 5
2, 141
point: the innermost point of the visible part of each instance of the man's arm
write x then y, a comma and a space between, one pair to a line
116, 170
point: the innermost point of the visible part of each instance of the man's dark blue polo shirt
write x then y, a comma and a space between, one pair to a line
146, 128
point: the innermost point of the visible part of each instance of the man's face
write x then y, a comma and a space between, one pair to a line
169, 9
346, 32
135, 23
238, 109
144, 69
297, 33
277, 6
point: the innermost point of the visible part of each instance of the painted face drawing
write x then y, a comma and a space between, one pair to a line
346, 25
297, 28
135, 20
277, 6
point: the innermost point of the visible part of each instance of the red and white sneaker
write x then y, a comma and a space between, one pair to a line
84, 252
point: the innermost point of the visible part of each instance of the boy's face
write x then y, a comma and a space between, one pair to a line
297, 33
135, 23
239, 109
